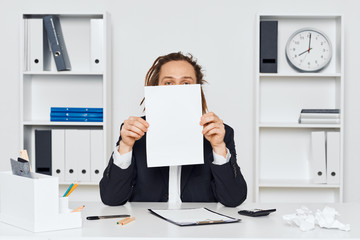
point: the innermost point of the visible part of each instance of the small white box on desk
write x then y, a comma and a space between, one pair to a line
33, 203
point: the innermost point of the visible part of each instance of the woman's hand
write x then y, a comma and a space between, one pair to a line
132, 130
214, 132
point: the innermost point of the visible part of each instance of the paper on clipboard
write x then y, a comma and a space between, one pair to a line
174, 136
196, 216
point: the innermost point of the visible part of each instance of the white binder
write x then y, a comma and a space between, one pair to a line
333, 157
58, 153
96, 44
38, 58
318, 159
33, 203
70, 156
97, 155
77, 155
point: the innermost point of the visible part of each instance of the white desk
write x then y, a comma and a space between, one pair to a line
149, 226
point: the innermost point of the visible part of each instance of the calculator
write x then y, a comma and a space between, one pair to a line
256, 212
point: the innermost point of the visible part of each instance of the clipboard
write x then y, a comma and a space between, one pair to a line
193, 216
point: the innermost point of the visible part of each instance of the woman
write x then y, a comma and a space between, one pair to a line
219, 179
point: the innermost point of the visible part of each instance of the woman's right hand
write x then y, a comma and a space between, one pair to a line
132, 130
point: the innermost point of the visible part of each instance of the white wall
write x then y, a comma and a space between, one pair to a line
220, 34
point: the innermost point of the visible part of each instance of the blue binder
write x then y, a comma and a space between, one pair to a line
75, 119
74, 109
57, 42
76, 114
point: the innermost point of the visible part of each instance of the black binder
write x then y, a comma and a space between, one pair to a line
43, 151
57, 42
268, 46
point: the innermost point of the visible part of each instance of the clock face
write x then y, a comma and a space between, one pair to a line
308, 50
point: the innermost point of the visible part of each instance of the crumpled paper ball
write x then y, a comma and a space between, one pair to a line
306, 221
326, 219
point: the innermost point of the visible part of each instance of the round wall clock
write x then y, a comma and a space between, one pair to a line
308, 50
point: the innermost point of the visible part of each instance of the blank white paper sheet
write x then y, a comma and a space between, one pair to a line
174, 136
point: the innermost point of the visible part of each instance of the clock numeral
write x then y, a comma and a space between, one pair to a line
297, 42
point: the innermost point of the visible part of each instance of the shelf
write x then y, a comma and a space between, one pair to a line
92, 14
291, 75
297, 125
48, 123
283, 147
279, 16
87, 84
81, 183
63, 73
294, 184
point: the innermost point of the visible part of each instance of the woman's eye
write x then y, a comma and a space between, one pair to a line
168, 83
186, 83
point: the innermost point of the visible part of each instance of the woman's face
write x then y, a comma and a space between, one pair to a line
176, 73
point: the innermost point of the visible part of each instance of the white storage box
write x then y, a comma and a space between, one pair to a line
33, 203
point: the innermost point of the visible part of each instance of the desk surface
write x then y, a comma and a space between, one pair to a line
147, 225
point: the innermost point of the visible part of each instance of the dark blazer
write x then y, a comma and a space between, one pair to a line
199, 183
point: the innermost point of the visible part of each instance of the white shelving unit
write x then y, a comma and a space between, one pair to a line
282, 144
82, 86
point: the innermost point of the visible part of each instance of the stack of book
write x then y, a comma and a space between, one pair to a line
65, 114
320, 116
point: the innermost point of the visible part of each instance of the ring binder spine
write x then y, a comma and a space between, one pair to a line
57, 42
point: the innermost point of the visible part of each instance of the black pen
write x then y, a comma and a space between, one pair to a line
104, 217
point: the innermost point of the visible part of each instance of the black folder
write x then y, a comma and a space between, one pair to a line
57, 42
43, 151
268, 46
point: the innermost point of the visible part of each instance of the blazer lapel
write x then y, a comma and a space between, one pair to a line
165, 174
163, 170
185, 174
186, 169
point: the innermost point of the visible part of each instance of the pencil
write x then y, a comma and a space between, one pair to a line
68, 190
126, 221
72, 189
123, 220
78, 209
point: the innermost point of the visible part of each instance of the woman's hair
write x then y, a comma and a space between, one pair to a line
152, 76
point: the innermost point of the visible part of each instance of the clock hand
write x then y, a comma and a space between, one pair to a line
309, 43
305, 51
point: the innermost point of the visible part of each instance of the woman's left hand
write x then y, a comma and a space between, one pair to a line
214, 132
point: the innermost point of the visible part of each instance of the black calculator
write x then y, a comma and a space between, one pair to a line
256, 212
